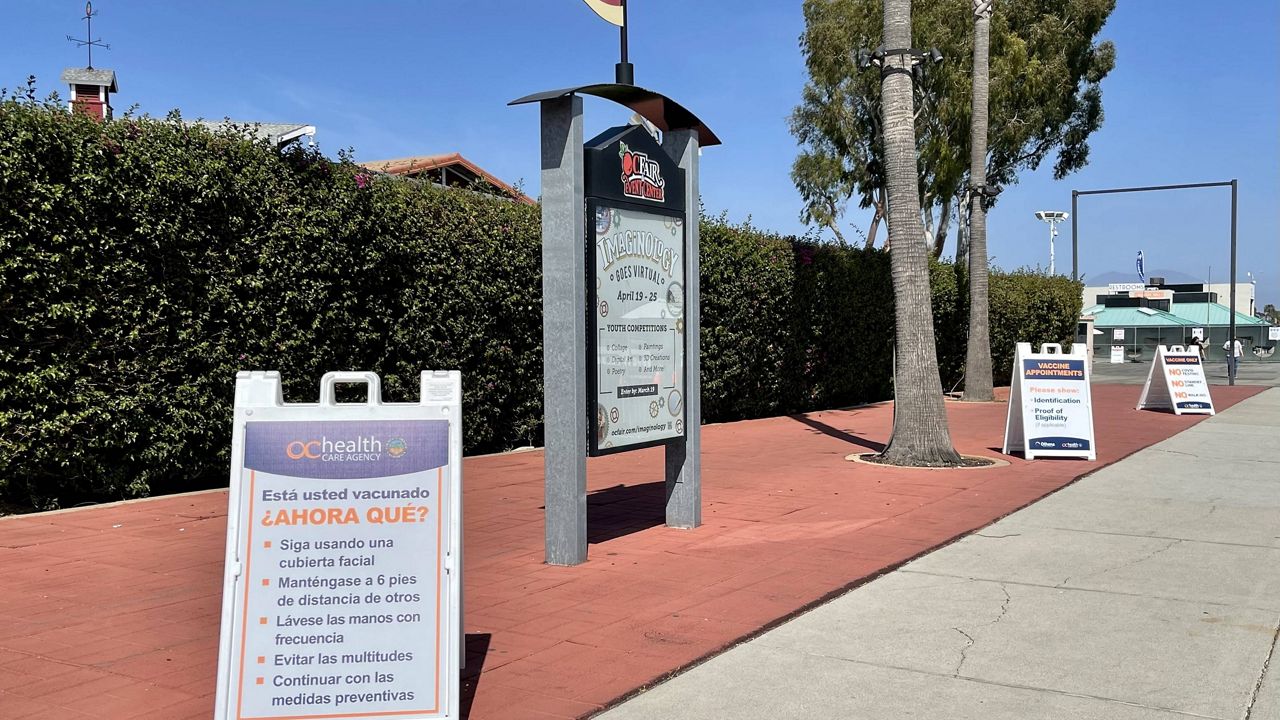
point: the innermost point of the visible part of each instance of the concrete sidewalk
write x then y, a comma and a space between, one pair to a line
1147, 591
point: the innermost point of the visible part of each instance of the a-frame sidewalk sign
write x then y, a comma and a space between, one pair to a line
342, 586
1050, 404
1176, 382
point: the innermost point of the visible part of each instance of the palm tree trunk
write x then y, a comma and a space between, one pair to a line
920, 433
977, 366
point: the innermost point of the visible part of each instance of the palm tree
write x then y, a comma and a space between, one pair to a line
977, 372
920, 434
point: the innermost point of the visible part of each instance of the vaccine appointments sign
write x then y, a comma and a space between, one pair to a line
638, 330
1050, 404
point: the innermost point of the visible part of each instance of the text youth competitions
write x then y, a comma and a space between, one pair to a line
639, 314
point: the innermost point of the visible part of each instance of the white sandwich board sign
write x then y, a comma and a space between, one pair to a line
342, 585
1176, 382
1117, 354
1050, 406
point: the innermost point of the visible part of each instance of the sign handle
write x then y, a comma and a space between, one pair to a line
1051, 349
331, 379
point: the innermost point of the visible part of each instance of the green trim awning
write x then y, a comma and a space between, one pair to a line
1211, 314
1134, 317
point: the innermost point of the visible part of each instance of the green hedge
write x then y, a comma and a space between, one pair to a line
144, 262
791, 325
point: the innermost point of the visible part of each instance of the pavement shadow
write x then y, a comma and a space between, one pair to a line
838, 434
477, 648
624, 509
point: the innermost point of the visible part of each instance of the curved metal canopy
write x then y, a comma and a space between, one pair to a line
662, 111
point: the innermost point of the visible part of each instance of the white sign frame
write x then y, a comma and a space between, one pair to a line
1161, 394
258, 398
1117, 354
1019, 422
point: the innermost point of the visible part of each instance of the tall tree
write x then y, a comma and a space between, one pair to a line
1045, 96
977, 364
920, 433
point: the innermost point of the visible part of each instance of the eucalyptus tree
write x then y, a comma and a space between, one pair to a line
920, 432
1045, 97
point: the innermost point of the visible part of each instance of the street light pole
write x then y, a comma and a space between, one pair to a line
1053, 217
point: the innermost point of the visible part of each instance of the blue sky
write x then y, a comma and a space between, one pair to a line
1195, 97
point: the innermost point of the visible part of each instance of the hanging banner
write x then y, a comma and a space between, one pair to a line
1050, 405
342, 590
1176, 382
1273, 333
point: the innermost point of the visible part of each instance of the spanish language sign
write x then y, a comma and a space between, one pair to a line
638, 335
1050, 405
341, 586
1176, 382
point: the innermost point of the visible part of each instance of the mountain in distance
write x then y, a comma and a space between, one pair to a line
1172, 277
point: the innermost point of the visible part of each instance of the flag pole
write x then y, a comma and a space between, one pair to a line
624, 72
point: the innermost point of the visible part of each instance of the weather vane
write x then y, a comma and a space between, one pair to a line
89, 40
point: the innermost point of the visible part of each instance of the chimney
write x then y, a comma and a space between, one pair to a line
91, 91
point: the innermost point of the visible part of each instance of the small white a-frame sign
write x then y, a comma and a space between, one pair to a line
1176, 382
1050, 404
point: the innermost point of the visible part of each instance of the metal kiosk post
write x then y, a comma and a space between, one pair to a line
620, 301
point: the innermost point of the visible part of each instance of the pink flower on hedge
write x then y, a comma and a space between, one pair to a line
362, 180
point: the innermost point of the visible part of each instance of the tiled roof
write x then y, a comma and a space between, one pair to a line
421, 164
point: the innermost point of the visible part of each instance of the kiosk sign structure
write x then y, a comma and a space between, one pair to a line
342, 593
1050, 405
636, 259
1176, 382
620, 300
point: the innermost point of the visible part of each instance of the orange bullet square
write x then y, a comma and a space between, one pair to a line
265, 582
260, 681
262, 659
266, 544
262, 621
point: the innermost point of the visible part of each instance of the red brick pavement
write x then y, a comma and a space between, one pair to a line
112, 612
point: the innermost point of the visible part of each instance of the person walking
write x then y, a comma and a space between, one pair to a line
1197, 346
1235, 350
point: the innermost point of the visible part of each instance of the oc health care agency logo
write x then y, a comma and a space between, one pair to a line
641, 176
362, 448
